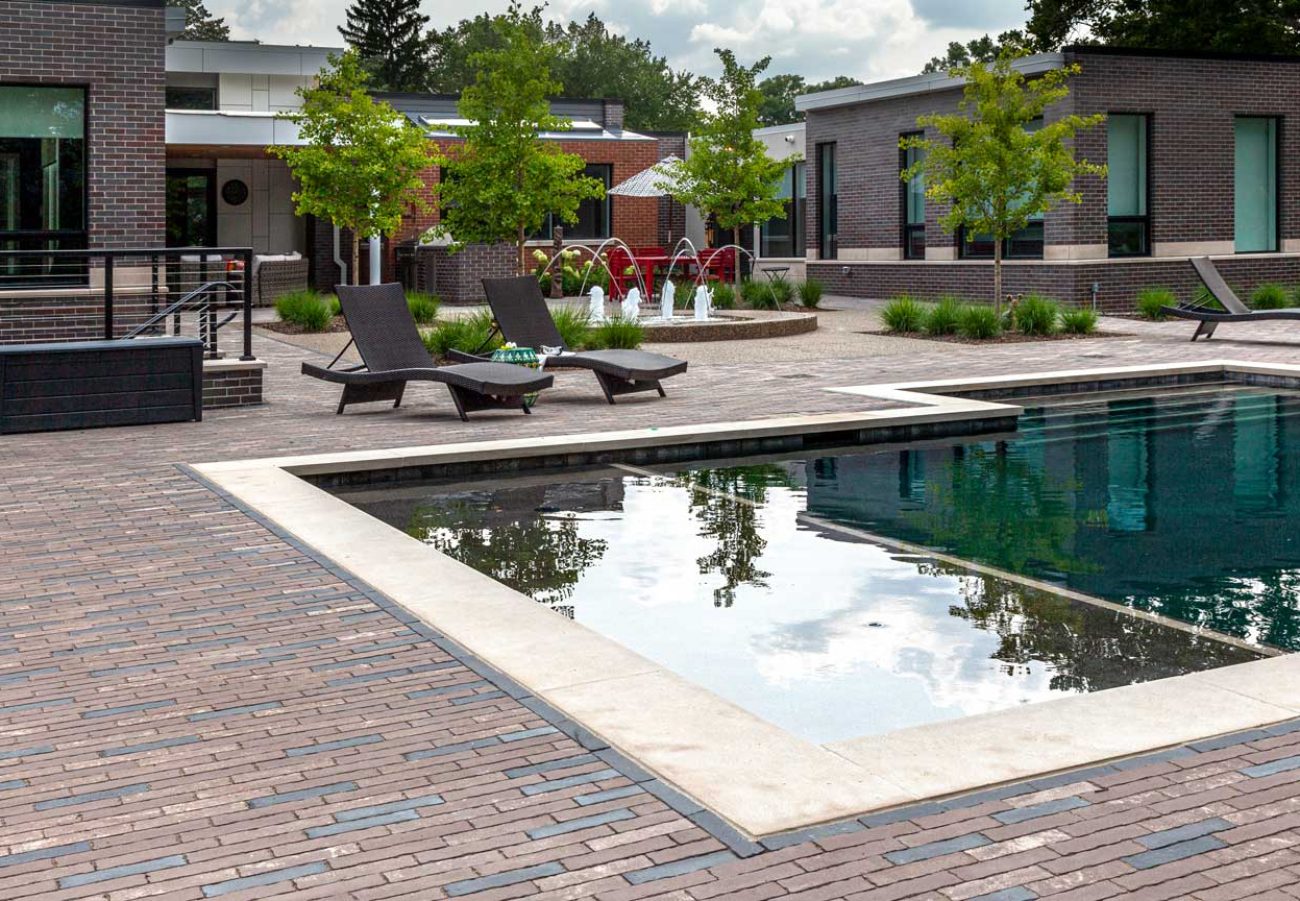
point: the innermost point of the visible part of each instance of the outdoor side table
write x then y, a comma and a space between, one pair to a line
773, 273
520, 356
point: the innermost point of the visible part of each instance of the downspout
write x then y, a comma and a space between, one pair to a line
338, 258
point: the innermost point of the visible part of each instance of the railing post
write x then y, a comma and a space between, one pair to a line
246, 289
108, 295
209, 313
153, 284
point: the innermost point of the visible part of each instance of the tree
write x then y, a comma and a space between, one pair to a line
779, 92
995, 169
504, 180
980, 50
201, 25
361, 161
727, 172
1244, 26
389, 36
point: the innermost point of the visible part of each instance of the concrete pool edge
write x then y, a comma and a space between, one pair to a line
754, 775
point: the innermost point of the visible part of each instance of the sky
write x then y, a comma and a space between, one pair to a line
819, 39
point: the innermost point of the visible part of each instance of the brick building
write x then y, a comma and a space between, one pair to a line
1199, 165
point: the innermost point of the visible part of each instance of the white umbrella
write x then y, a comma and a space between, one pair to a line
648, 182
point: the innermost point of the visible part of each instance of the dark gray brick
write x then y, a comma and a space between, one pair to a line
542, 788
1272, 768
1034, 811
49, 853
270, 877
679, 867
303, 794
499, 880
339, 745
358, 813
387, 819
937, 849
129, 708
233, 711
550, 766
1182, 833
1154, 858
130, 869
90, 797
600, 819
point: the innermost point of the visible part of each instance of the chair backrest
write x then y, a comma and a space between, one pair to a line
521, 312
382, 327
1218, 287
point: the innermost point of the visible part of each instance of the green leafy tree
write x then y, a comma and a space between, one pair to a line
980, 50
504, 180
201, 25
994, 169
727, 173
389, 36
361, 161
1243, 26
779, 92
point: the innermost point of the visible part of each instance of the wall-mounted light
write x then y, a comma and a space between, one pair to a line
845, 270
789, 139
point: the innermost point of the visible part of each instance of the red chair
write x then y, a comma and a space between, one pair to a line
619, 262
719, 265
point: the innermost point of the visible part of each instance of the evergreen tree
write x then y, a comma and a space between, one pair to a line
201, 25
389, 36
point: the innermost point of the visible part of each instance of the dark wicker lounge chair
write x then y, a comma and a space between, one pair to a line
522, 316
392, 354
1233, 308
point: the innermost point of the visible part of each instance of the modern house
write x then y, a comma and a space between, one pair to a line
1198, 165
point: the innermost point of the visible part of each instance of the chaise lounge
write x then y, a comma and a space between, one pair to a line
522, 317
1233, 308
392, 354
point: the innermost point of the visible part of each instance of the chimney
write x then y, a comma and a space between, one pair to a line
613, 113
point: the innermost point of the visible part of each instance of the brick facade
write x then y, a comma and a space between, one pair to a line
672, 215
116, 52
1192, 103
457, 277
228, 384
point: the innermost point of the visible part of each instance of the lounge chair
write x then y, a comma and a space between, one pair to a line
522, 316
1233, 308
392, 354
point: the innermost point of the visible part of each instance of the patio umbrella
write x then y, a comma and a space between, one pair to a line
646, 183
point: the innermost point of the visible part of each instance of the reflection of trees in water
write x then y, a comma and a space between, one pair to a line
542, 556
1000, 508
1088, 648
1261, 607
726, 503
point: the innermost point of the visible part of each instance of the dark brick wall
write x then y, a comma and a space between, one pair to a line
117, 53
457, 277
231, 388
672, 215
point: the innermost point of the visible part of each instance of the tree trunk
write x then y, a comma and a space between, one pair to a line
356, 259
735, 239
521, 240
997, 275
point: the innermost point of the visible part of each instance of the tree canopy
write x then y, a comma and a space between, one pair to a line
1243, 26
979, 50
201, 25
779, 91
389, 37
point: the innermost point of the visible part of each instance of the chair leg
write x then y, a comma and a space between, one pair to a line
660, 389
1204, 329
397, 401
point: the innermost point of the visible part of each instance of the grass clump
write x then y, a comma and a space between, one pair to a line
903, 314
616, 334
944, 317
810, 293
979, 322
757, 296
1082, 321
305, 309
1151, 300
724, 296
424, 307
1269, 296
468, 334
573, 324
1036, 315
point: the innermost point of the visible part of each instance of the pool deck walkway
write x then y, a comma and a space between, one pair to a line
191, 706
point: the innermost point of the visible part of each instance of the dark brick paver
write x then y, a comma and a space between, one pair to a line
190, 707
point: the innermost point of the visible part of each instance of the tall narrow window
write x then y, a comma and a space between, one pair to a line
784, 236
1128, 222
913, 204
1024, 244
42, 183
1256, 185
827, 203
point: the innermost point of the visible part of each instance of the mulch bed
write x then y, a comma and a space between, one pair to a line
337, 324
1004, 338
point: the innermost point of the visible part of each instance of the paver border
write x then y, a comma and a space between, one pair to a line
747, 778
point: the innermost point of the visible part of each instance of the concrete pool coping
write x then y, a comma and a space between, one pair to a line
756, 776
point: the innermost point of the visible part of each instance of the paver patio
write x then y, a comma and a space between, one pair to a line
191, 706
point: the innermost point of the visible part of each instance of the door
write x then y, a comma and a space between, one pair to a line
191, 208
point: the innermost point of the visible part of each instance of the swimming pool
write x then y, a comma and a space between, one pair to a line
792, 588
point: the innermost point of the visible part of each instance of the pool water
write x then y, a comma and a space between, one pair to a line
778, 584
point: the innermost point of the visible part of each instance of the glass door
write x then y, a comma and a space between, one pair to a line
191, 208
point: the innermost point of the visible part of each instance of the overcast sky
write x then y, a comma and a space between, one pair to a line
868, 39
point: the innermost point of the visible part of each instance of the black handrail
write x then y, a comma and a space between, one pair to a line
200, 297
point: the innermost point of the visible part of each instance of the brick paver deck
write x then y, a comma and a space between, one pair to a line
192, 707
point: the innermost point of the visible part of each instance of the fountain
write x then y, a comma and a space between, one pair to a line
596, 307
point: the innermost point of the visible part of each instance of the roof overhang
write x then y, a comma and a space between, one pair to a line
229, 128
247, 58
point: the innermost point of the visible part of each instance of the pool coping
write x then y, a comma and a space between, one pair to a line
758, 778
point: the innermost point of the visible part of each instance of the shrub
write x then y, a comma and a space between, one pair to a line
810, 293
724, 296
1082, 321
903, 314
782, 288
306, 309
757, 295
468, 334
943, 317
1150, 301
1036, 315
573, 324
424, 307
616, 334
979, 321
1269, 296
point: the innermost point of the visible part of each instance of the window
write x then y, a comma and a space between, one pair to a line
1025, 244
594, 216
827, 203
1128, 222
1256, 185
182, 97
42, 182
784, 237
913, 203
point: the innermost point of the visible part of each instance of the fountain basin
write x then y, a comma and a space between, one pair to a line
727, 325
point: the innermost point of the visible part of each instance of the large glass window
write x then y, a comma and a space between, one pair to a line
1128, 222
42, 182
828, 191
784, 237
1024, 244
594, 216
186, 97
1256, 184
913, 204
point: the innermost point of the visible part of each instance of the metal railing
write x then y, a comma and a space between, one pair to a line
65, 294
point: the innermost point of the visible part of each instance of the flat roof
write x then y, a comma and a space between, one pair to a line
247, 58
